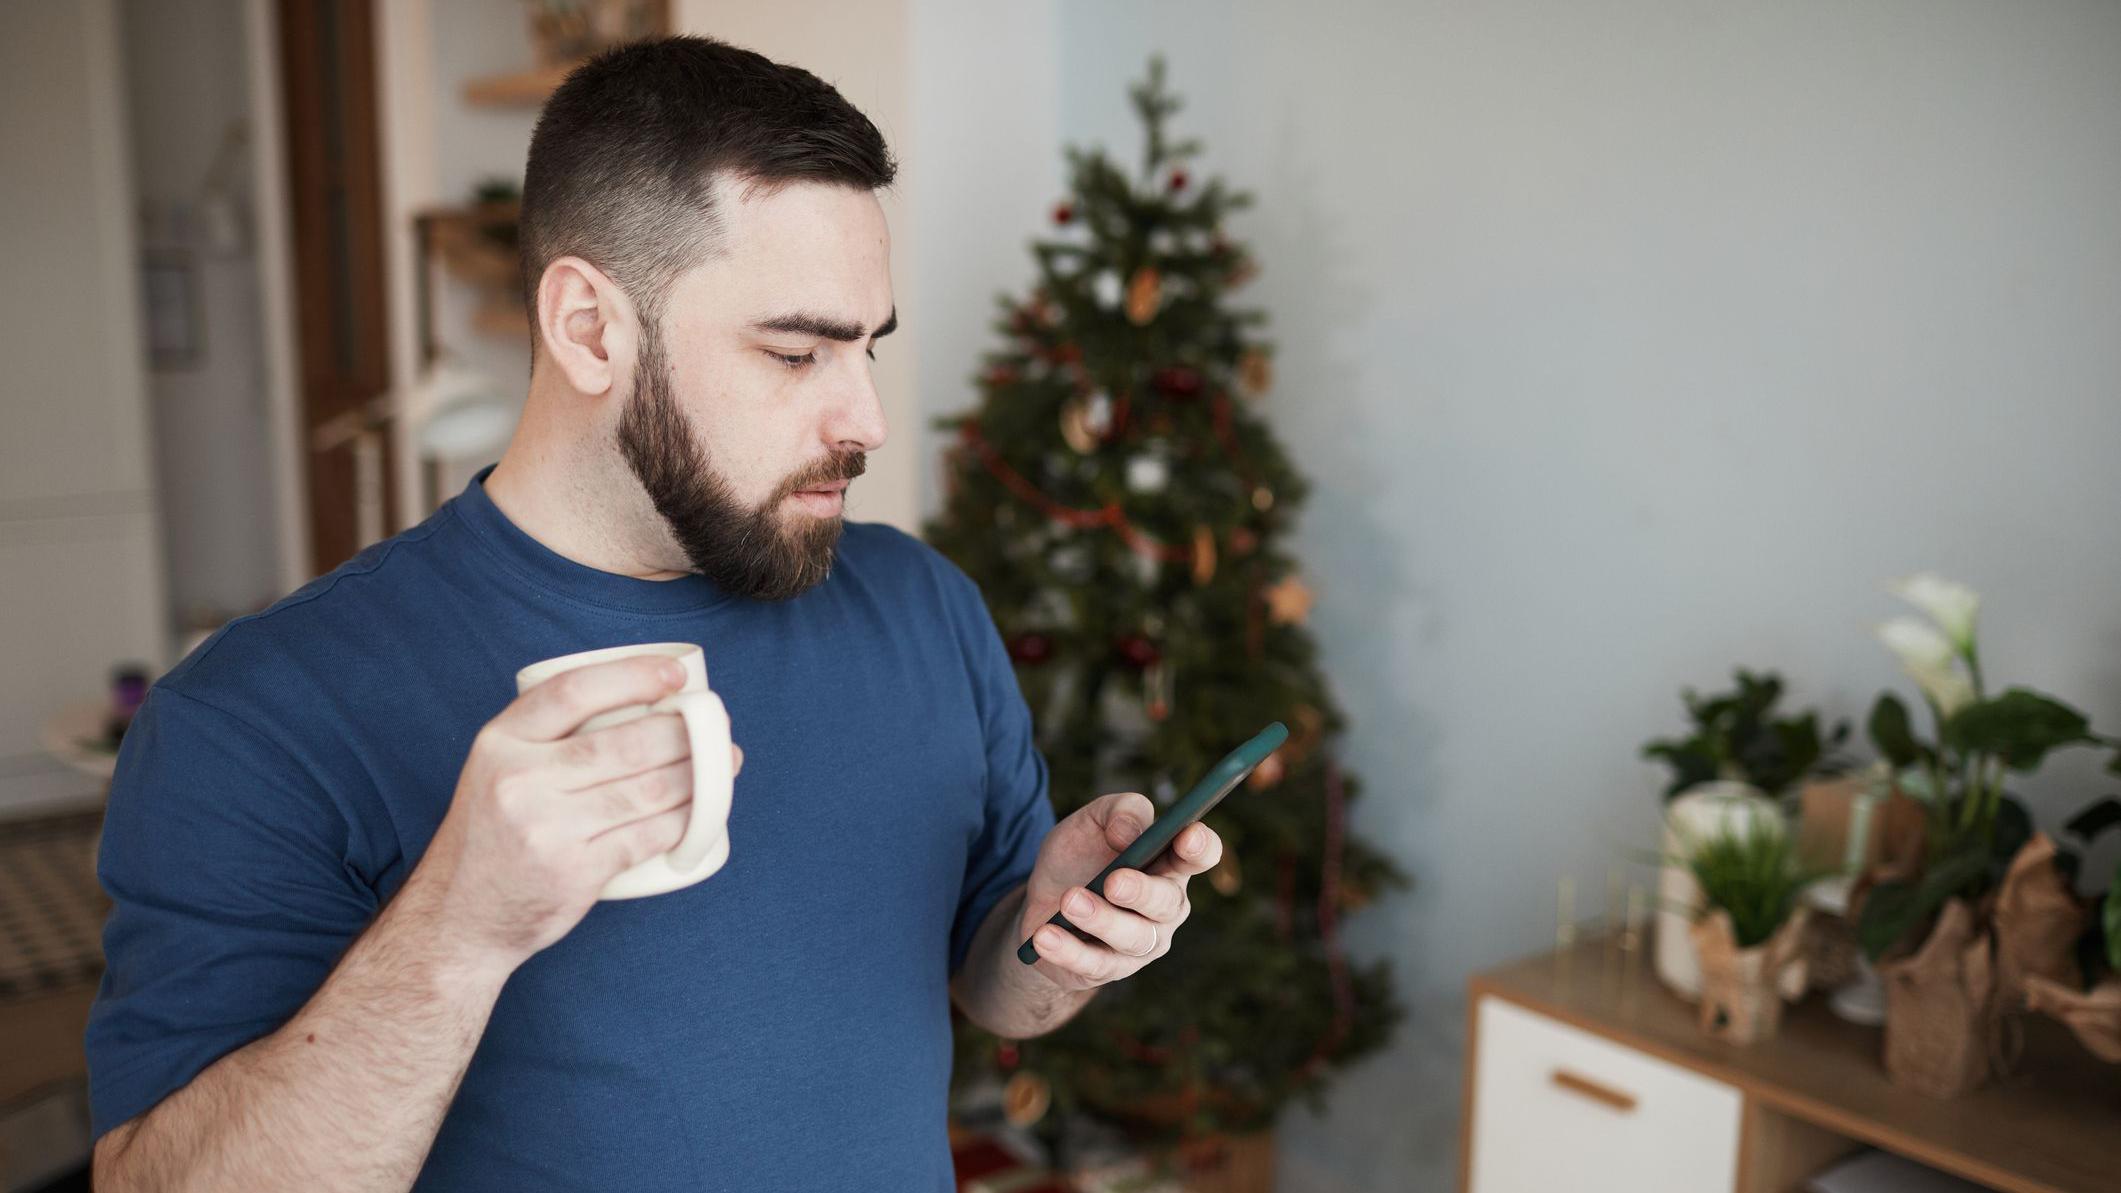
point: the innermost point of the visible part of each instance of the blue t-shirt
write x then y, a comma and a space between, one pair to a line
782, 1025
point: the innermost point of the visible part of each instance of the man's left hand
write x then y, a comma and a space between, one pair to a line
1133, 923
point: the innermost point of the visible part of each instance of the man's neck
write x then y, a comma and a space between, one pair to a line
562, 502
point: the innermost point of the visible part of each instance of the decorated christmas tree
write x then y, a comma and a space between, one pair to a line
1121, 503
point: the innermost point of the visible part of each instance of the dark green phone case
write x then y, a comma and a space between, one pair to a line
1213, 786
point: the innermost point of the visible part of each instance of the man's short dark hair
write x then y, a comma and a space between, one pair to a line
627, 150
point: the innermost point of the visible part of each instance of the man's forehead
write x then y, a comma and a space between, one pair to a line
803, 248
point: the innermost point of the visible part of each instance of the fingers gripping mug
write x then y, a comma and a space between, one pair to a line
705, 846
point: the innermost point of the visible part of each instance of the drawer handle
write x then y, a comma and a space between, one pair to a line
1599, 1092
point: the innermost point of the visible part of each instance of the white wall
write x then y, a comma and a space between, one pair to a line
187, 89
979, 166
1627, 342
80, 578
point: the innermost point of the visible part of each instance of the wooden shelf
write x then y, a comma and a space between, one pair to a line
2047, 1127
524, 89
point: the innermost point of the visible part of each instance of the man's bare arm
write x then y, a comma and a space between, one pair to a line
348, 1095
1000, 993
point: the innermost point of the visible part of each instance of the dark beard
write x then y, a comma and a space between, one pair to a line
759, 553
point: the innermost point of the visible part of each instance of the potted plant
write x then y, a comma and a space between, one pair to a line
1957, 931
1739, 758
2091, 1006
1749, 936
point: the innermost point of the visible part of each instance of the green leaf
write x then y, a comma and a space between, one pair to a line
1691, 765
1888, 912
2013, 828
2112, 921
1891, 732
2020, 726
1892, 910
2099, 817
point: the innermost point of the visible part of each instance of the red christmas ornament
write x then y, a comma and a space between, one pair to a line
1176, 381
1062, 213
1178, 180
1000, 374
1137, 650
1031, 648
1006, 1054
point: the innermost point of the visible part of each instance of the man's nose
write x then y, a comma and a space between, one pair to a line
857, 419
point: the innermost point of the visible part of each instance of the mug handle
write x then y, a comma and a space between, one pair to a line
713, 774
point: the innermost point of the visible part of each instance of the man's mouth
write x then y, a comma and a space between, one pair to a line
832, 487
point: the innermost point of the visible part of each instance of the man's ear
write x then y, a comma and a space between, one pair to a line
586, 325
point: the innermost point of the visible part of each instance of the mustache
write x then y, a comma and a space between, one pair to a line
844, 467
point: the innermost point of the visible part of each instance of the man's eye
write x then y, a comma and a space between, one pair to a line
795, 362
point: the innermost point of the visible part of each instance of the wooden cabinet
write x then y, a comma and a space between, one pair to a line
1583, 1073
1554, 1102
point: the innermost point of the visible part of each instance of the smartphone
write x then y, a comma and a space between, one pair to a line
1213, 786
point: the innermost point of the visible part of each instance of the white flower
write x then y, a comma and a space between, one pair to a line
1929, 657
1950, 604
1916, 642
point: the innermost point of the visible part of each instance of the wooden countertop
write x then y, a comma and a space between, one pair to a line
2052, 1125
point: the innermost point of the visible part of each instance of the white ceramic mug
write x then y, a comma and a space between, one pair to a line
705, 846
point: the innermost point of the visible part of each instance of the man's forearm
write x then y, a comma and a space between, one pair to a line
1001, 993
347, 1096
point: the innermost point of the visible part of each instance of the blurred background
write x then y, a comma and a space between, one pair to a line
1621, 344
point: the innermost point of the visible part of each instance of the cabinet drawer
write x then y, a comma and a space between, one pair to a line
1556, 1108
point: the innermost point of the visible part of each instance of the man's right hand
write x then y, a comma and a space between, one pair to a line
543, 818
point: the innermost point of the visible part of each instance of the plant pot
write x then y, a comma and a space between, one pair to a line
1940, 1021
1701, 812
2093, 1016
2037, 921
1742, 990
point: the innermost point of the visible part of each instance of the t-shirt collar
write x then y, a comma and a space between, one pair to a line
533, 561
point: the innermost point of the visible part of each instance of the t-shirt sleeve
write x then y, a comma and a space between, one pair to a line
1019, 813
231, 901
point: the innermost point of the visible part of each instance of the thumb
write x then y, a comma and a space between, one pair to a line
1122, 816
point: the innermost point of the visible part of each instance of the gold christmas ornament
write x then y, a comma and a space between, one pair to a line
1225, 877
1075, 426
1288, 601
1144, 295
1025, 1098
1304, 737
1255, 372
1269, 772
1203, 554
1262, 499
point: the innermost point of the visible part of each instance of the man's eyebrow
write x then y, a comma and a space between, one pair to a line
805, 323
